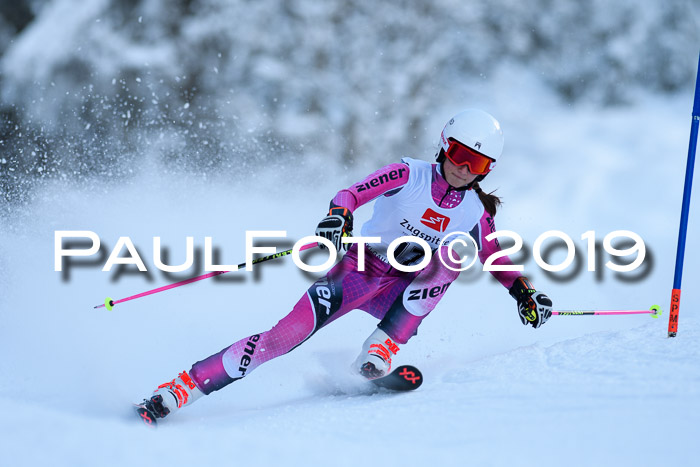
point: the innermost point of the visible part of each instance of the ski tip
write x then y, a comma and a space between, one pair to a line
403, 378
145, 416
411, 375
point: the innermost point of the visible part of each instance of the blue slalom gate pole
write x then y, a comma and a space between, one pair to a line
676, 292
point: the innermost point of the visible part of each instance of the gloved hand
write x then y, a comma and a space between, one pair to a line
534, 307
336, 225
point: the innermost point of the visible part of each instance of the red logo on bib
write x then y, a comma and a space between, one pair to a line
434, 220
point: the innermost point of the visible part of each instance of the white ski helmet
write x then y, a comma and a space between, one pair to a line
477, 130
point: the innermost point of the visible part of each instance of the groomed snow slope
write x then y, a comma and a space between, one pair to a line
579, 391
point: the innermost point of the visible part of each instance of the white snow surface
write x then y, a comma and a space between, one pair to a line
597, 390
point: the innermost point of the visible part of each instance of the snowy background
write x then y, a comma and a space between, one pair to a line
148, 118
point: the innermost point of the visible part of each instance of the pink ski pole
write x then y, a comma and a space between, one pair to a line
654, 311
109, 303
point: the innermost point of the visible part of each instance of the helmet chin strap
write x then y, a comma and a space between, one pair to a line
479, 178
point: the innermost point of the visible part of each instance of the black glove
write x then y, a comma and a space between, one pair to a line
533, 307
336, 225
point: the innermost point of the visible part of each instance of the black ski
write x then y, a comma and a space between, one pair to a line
145, 415
403, 378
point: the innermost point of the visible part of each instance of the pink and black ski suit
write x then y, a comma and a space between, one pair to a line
413, 199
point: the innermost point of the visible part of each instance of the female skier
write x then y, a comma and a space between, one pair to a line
414, 197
